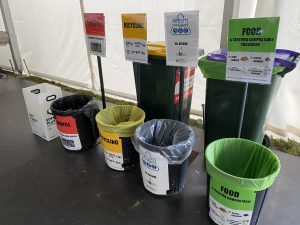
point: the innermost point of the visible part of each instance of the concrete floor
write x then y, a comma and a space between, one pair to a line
41, 183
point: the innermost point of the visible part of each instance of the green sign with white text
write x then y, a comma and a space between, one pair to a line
253, 35
230, 204
251, 49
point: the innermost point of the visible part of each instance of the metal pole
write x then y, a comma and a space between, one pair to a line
26, 67
181, 93
231, 8
13, 42
242, 110
101, 82
137, 78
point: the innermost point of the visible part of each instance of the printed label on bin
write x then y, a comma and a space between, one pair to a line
68, 132
251, 49
34, 123
113, 152
229, 204
135, 37
182, 38
95, 31
189, 73
155, 171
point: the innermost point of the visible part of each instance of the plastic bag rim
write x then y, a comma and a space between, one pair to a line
275, 173
138, 122
58, 112
169, 146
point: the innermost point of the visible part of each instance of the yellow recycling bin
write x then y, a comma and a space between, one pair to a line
117, 125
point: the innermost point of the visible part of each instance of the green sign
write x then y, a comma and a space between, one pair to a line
253, 35
251, 49
231, 196
230, 204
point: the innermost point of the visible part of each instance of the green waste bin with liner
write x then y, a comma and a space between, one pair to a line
240, 173
224, 99
117, 125
158, 86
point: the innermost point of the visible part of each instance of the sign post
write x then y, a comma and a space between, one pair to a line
134, 27
135, 37
182, 44
251, 54
95, 31
251, 49
182, 38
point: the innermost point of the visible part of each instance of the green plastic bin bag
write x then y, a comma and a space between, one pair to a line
240, 173
117, 125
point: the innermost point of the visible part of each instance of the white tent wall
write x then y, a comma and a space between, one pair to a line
5, 54
116, 69
51, 39
284, 116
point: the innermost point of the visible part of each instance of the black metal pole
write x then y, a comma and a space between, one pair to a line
136, 71
101, 82
181, 93
242, 111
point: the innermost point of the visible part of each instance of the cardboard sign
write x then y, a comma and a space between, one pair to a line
135, 37
251, 49
182, 38
95, 31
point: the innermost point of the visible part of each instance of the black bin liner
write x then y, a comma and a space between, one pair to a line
75, 120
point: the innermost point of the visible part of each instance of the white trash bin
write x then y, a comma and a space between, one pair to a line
38, 99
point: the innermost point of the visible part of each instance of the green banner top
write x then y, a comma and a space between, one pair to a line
253, 35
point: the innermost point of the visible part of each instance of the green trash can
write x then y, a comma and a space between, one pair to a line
116, 126
158, 88
240, 173
224, 116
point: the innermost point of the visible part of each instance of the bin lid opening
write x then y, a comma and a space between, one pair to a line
170, 138
157, 48
70, 103
242, 161
121, 119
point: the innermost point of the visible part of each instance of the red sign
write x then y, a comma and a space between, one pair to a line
66, 124
94, 24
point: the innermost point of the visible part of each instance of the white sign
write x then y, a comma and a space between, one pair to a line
251, 49
252, 67
223, 215
95, 31
182, 38
135, 37
155, 172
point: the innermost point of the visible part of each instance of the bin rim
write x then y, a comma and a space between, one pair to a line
165, 150
169, 146
105, 125
247, 182
75, 111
